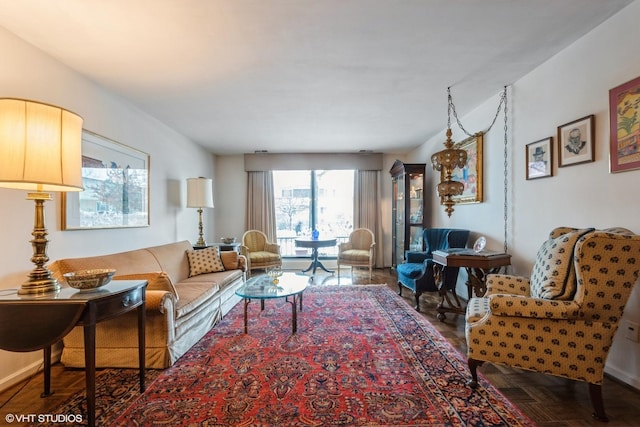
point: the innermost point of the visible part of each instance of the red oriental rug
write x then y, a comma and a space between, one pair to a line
361, 357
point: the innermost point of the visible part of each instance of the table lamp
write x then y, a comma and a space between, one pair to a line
200, 195
40, 151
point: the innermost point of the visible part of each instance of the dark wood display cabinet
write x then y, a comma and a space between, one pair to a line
408, 208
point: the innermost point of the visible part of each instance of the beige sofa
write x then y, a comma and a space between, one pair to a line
184, 301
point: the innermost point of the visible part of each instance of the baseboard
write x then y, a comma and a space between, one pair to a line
29, 370
303, 263
622, 377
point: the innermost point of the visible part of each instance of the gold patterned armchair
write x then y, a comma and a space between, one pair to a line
259, 251
563, 319
358, 250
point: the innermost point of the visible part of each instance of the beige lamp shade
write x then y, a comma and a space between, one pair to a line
199, 193
40, 147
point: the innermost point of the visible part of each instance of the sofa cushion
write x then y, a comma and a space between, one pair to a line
554, 275
193, 296
156, 281
204, 261
130, 262
263, 257
222, 279
173, 259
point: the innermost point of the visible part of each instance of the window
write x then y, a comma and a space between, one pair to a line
320, 199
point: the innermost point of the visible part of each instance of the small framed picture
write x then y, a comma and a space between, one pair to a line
576, 142
540, 158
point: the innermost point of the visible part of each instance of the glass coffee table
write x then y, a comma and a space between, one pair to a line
290, 286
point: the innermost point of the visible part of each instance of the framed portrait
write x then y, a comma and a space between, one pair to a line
576, 141
115, 179
624, 144
539, 156
471, 174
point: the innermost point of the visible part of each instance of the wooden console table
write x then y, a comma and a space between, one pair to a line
34, 322
477, 264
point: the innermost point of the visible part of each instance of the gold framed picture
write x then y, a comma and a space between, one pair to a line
471, 174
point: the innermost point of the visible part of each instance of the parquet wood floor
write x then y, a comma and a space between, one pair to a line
547, 400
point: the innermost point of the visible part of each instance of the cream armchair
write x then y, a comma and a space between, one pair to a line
563, 319
358, 250
259, 251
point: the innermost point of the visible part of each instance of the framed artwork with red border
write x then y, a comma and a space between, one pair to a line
624, 143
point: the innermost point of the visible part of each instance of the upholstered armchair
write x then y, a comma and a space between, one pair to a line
260, 253
416, 273
358, 250
562, 320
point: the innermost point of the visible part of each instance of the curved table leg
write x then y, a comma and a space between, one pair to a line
315, 263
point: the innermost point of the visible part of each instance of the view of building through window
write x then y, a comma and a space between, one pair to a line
308, 200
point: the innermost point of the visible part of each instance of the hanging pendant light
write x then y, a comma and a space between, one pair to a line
445, 162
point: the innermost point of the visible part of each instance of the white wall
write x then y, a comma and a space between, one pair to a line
571, 85
231, 189
27, 73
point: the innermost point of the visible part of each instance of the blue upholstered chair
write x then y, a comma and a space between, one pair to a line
416, 273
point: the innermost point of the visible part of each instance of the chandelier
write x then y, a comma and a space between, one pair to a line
445, 162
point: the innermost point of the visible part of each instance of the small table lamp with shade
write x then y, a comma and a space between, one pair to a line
200, 195
40, 151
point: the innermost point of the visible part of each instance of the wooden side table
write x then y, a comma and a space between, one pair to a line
33, 322
477, 264
222, 246
315, 244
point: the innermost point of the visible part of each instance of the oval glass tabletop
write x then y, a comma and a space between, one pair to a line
263, 287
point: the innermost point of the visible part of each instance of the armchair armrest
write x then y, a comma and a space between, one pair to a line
507, 284
417, 257
344, 246
242, 263
521, 306
272, 247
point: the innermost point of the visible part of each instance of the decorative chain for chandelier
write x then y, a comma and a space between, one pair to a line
503, 102
452, 107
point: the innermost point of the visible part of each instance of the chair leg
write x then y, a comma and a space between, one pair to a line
595, 392
473, 367
399, 288
417, 295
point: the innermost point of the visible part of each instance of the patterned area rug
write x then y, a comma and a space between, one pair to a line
361, 357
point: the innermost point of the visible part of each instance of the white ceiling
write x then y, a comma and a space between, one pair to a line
304, 75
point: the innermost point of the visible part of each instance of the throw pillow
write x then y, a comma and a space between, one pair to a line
204, 261
229, 259
156, 281
554, 275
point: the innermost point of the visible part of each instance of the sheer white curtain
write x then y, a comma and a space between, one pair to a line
367, 208
261, 211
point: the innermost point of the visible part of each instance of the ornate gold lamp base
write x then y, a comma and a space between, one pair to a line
40, 279
201, 242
